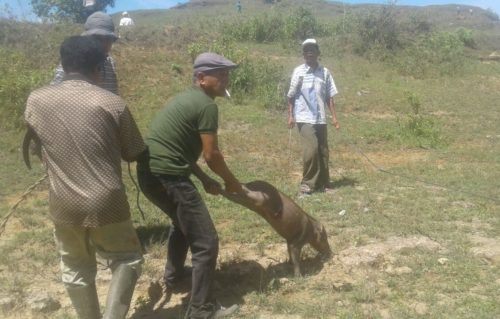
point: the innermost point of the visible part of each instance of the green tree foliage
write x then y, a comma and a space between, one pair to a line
301, 25
67, 10
380, 30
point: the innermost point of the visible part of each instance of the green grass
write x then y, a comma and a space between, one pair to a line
443, 194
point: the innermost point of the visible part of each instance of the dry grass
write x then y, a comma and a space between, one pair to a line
417, 241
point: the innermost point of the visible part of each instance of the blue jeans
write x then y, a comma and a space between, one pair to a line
192, 228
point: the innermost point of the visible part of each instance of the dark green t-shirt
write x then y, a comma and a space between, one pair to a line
174, 140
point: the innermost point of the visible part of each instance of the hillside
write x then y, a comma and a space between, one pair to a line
413, 220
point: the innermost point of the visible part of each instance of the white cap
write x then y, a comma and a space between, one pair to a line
124, 13
310, 41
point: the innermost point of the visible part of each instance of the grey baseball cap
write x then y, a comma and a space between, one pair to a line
209, 61
99, 23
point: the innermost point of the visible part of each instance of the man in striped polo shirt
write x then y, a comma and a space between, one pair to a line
311, 89
100, 26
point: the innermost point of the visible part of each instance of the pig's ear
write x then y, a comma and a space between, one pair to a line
318, 232
322, 234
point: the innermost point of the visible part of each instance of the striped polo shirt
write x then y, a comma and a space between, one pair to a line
311, 90
108, 75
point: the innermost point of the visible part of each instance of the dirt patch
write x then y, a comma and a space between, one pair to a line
370, 253
388, 159
257, 267
246, 269
377, 116
486, 248
12, 227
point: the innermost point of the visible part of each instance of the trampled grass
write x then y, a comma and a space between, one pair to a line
415, 231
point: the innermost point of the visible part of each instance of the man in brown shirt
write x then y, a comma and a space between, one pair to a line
84, 132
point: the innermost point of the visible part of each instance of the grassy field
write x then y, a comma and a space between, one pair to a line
414, 220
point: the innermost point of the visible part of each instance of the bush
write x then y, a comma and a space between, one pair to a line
301, 24
275, 27
417, 130
16, 83
378, 30
441, 53
263, 28
256, 76
467, 38
28, 55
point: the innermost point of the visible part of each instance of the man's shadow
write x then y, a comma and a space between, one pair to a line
156, 234
233, 280
343, 182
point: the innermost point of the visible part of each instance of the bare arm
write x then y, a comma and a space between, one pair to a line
291, 119
331, 107
211, 185
132, 144
216, 163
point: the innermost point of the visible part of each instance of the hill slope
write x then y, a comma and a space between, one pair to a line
413, 221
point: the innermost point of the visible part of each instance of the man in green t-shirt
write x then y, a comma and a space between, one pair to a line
182, 131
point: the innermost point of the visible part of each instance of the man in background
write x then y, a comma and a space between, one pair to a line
182, 131
101, 27
312, 90
84, 132
126, 23
126, 20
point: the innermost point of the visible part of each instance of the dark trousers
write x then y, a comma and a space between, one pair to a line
315, 173
192, 228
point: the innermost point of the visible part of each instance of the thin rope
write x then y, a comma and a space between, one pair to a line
412, 178
138, 192
23, 197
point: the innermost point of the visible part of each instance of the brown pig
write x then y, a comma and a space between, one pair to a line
286, 217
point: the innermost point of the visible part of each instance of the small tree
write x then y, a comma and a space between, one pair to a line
379, 30
67, 10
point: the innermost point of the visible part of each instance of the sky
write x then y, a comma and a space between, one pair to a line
22, 9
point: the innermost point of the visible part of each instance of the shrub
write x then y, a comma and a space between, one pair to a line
441, 53
28, 54
466, 36
378, 30
301, 24
417, 130
255, 76
16, 83
275, 27
262, 28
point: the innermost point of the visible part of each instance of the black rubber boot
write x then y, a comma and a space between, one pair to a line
85, 301
120, 292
